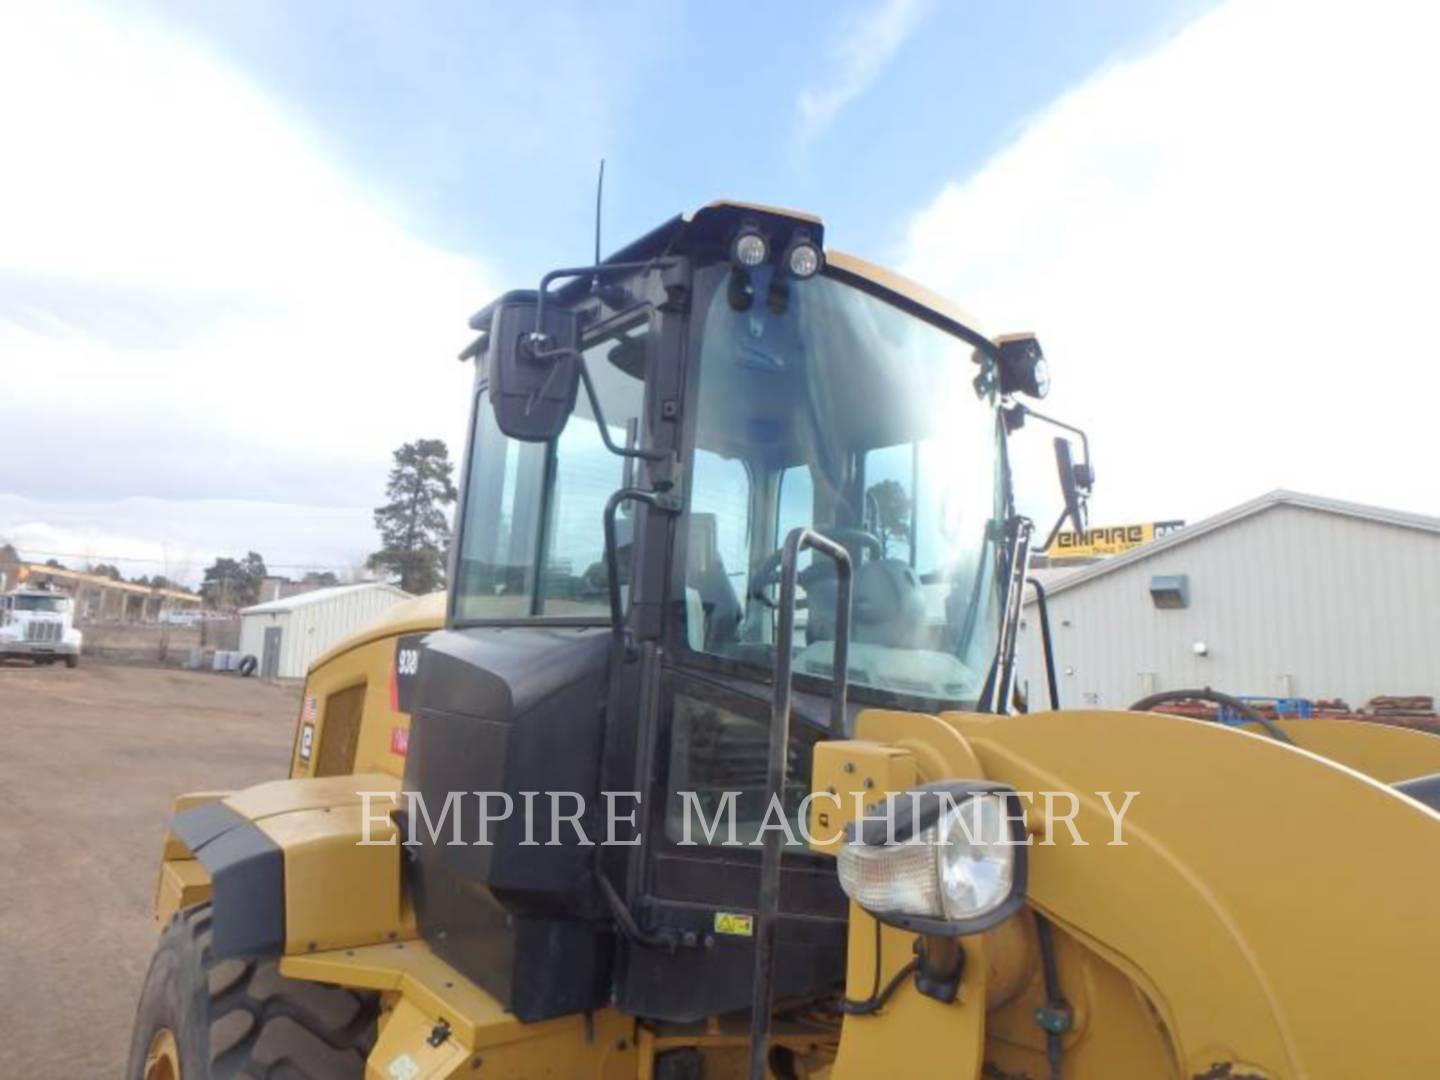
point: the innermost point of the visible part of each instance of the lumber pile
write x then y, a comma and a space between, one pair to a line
1415, 711
1412, 711
1416, 705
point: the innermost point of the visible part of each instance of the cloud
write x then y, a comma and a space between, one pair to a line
179, 539
1227, 247
195, 301
858, 54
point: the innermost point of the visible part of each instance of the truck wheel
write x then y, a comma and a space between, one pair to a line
205, 1019
72, 661
247, 666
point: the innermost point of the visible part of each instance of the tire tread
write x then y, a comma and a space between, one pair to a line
262, 1025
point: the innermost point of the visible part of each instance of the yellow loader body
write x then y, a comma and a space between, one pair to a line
1236, 927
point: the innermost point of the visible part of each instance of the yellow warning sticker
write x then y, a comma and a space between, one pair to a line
729, 922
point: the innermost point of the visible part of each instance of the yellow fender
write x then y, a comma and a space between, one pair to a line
1275, 907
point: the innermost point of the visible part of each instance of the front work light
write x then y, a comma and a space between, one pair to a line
944, 859
803, 258
750, 248
1023, 368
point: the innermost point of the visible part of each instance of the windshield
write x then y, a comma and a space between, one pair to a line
56, 604
823, 405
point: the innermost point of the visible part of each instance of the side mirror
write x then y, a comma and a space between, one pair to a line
1022, 365
1076, 481
533, 383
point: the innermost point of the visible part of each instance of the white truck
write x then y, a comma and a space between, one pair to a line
38, 625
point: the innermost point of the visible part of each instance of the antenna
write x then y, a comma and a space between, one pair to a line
599, 197
612, 295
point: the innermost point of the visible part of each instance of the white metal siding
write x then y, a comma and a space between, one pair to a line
252, 631
312, 628
315, 627
1288, 601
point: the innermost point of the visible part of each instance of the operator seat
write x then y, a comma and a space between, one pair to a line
886, 606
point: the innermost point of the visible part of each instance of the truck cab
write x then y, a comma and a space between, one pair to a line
38, 625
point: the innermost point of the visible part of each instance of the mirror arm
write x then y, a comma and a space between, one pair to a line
1055, 531
610, 444
1085, 450
1084, 439
538, 337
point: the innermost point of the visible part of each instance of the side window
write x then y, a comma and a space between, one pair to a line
532, 542
502, 513
586, 474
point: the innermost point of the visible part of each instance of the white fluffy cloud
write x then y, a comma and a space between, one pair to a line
1228, 247
195, 301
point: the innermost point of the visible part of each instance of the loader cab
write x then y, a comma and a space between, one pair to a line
729, 391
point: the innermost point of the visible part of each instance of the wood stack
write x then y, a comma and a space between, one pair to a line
1416, 705
1414, 711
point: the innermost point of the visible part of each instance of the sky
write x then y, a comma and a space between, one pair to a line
239, 242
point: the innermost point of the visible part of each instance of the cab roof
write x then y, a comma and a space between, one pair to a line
712, 227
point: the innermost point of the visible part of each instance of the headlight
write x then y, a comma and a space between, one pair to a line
944, 859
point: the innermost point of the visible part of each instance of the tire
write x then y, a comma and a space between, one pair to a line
72, 662
242, 1018
247, 666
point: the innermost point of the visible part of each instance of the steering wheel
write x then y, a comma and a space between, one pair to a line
769, 570
1274, 730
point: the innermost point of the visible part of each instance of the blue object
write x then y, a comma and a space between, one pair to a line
1286, 708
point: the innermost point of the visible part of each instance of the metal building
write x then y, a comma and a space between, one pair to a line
1288, 595
286, 635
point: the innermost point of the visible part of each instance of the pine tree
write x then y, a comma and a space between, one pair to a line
414, 530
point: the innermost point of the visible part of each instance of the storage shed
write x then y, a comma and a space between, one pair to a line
1285, 596
286, 635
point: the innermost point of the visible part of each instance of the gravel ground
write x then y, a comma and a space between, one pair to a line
89, 762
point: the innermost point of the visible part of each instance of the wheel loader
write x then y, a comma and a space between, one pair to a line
711, 762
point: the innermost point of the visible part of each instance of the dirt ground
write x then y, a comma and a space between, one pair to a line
89, 762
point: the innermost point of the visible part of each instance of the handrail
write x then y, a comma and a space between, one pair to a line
1042, 605
762, 997
660, 501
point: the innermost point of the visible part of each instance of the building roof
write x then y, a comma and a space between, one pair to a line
1052, 575
319, 596
1279, 497
80, 577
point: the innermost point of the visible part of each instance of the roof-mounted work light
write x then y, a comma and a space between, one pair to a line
750, 247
